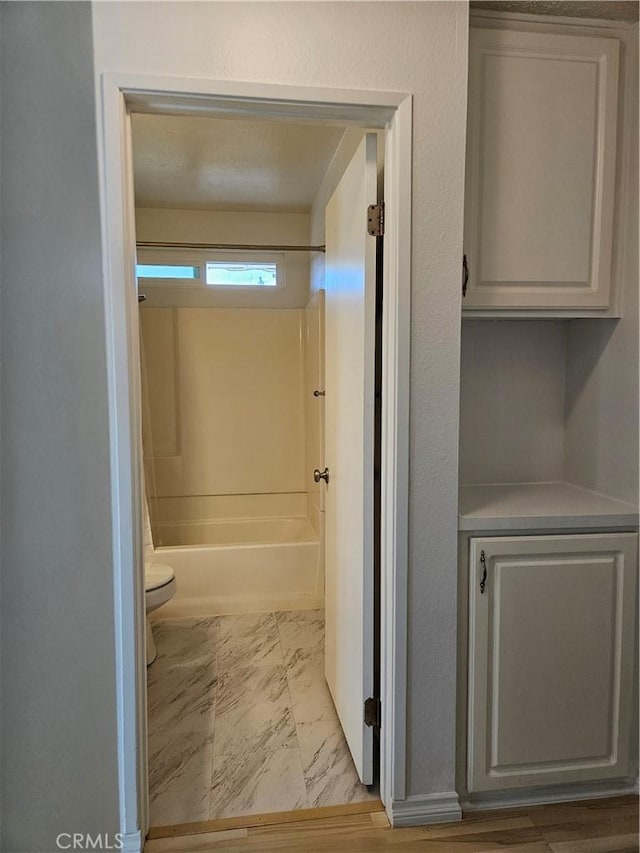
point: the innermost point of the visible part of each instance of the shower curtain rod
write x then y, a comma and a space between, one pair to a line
242, 247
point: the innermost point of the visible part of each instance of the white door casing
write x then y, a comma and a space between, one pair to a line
121, 93
349, 447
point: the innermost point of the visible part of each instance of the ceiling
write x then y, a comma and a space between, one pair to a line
609, 10
229, 164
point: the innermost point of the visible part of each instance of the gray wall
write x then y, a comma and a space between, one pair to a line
512, 401
602, 369
59, 718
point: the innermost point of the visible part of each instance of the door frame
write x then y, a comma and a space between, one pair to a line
120, 94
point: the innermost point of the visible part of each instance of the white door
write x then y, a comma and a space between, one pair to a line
349, 447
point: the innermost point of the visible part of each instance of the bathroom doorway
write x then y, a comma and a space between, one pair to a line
253, 345
127, 93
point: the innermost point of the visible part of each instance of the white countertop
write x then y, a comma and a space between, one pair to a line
529, 506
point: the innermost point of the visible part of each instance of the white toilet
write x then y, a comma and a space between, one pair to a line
159, 587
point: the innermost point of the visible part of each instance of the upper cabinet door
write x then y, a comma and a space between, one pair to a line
541, 162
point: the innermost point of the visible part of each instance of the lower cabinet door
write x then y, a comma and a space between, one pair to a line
551, 649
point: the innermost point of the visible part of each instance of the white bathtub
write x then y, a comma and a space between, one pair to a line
241, 565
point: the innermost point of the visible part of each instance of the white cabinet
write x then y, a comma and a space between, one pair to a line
551, 647
541, 163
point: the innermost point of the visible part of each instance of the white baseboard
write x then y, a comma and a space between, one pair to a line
541, 796
445, 808
132, 842
424, 809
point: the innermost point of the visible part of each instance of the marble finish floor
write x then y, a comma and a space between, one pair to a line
241, 720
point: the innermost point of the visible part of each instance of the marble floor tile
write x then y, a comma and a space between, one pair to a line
252, 684
183, 756
248, 639
253, 711
310, 697
181, 685
329, 773
301, 629
257, 782
179, 778
241, 720
183, 699
175, 804
180, 640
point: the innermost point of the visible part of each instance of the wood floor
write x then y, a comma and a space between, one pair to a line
597, 826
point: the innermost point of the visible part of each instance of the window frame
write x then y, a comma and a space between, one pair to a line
199, 258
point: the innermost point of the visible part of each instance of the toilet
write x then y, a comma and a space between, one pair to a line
159, 587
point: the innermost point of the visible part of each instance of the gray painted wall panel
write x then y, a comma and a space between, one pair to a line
59, 769
512, 401
602, 404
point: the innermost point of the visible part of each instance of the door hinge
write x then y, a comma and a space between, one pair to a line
372, 712
375, 219
465, 275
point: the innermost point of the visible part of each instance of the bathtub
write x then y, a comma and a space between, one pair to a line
241, 565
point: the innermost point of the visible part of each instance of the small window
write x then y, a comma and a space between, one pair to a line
202, 269
238, 274
170, 271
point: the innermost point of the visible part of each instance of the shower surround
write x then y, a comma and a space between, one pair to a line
229, 416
